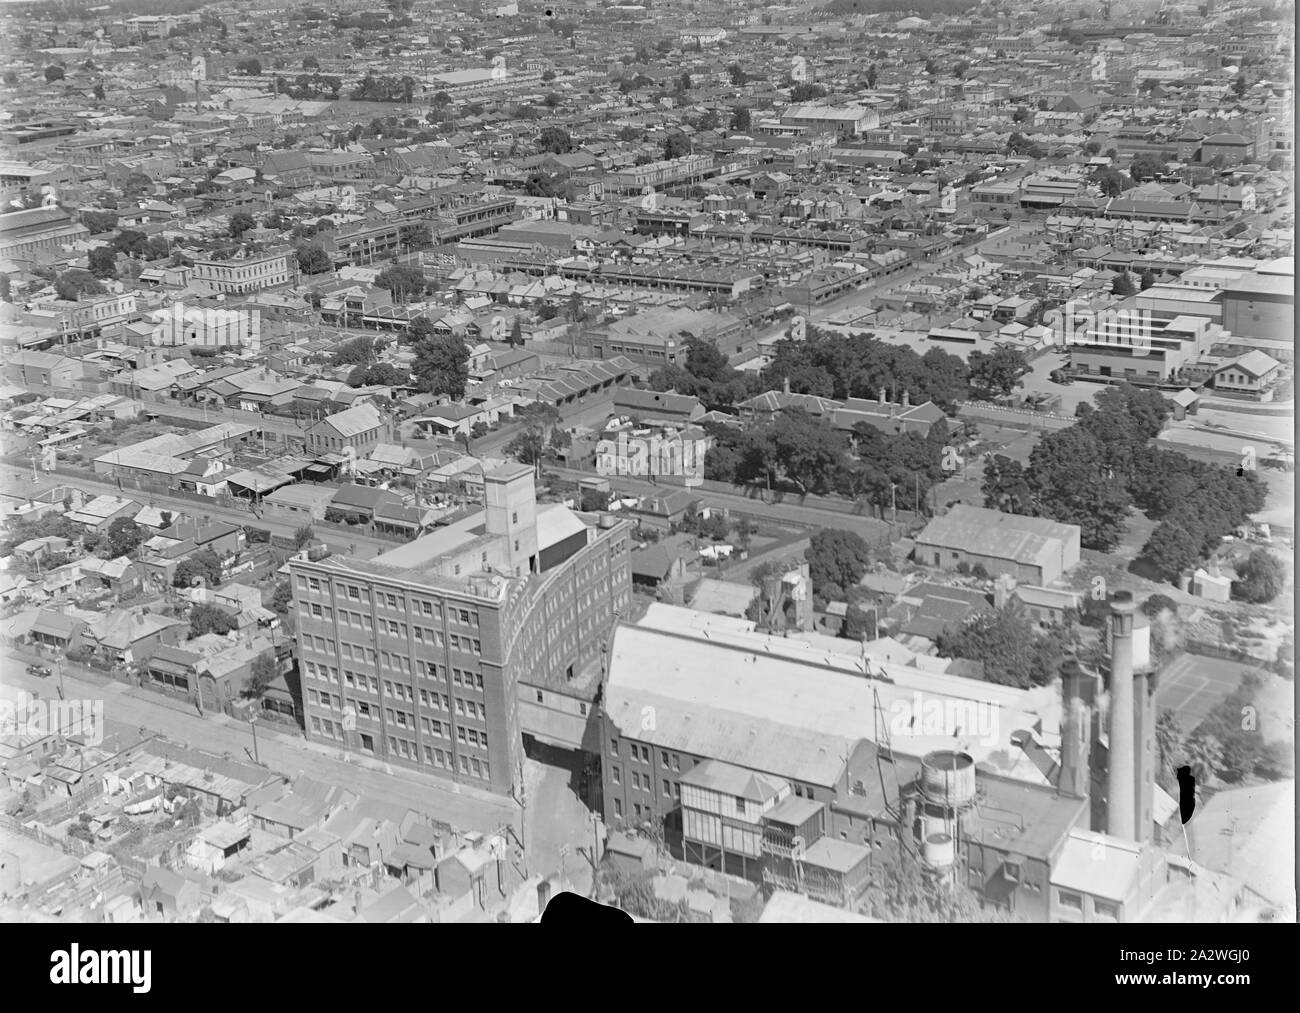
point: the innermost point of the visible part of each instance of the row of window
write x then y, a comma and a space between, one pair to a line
408, 750
644, 782
390, 660
1074, 902
385, 599
397, 691
438, 758
640, 810
641, 753
432, 726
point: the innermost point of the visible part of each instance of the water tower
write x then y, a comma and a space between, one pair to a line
942, 812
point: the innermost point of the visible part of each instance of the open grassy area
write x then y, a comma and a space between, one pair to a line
1016, 444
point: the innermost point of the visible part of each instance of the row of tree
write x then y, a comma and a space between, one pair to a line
385, 88
806, 453
840, 366
1092, 473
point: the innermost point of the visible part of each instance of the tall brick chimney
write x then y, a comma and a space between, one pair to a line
1121, 778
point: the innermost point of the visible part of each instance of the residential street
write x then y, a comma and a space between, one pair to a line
18, 482
282, 752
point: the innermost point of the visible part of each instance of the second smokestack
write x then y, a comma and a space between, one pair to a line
1120, 773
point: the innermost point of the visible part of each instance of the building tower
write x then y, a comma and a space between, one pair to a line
1121, 772
511, 499
1144, 749
1078, 692
944, 810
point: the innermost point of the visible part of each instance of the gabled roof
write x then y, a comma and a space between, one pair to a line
354, 421
993, 533
1255, 363
728, 779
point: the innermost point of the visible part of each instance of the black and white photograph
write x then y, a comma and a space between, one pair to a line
690, 462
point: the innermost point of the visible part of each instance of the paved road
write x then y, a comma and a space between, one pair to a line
18, 482
870, 528
284, 753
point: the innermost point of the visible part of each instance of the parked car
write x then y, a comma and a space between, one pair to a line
41, 671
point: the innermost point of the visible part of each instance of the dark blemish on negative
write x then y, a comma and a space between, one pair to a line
1186, 793
568, 909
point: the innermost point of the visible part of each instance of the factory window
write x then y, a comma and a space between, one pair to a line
614, 774
613, 747
541, 698
1105, 909
618, 808
1066, 899
582, 710
740, 806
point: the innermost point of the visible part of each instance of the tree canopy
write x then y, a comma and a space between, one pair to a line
206, 618
1012, 651
442, 365
841, 366
402, 280
837, 560
73, 284
1260, 577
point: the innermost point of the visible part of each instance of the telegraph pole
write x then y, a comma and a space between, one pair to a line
252, 723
